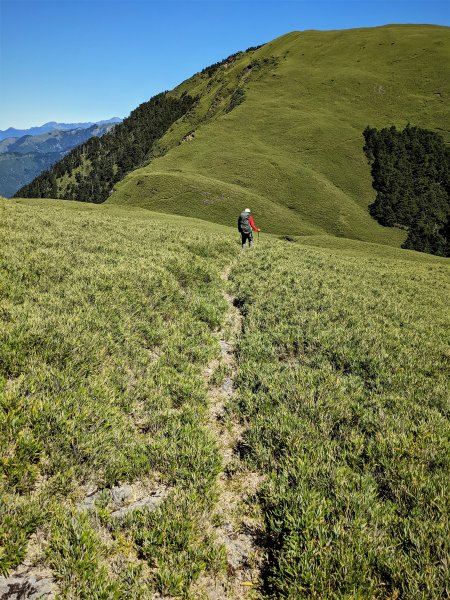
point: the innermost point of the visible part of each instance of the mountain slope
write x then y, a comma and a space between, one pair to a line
280, 128
22, 159
296, 140
89, 172
17, 169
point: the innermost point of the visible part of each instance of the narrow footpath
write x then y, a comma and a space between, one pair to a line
237, 523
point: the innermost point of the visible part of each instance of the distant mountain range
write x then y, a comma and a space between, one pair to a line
24, 156
11, 132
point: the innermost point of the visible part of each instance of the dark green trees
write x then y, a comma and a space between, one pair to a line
95, 166
411, 174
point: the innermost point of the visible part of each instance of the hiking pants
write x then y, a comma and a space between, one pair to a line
245, 237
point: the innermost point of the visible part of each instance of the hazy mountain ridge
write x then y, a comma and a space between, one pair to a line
24, 158
57, 140
12, 132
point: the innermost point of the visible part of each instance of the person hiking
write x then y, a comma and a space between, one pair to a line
245, 226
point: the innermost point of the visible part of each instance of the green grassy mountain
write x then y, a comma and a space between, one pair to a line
292, 149
279, 128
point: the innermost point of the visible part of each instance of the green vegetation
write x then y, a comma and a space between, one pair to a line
343, 388
107, 323
411, 173
293, 149
277, 127
106, 326
211, 69
89, 172
237, 98
108, 316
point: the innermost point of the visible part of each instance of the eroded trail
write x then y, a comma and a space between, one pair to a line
236, 521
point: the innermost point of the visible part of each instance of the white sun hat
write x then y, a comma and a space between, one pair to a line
247, 210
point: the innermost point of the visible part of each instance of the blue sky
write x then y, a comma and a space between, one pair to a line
86, 60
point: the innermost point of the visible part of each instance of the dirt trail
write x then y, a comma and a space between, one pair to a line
239, 524
235, 522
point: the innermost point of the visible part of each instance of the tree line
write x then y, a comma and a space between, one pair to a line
95, 166
411, 175
211, 69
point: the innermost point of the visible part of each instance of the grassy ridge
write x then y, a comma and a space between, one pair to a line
295, 143
343, 385
106, 324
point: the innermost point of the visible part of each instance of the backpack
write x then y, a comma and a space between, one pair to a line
243, 224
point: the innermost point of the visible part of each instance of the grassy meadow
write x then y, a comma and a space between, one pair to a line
344, 391
107, 321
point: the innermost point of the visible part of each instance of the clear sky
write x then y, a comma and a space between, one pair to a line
86, 60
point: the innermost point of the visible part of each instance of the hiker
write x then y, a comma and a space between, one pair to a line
245, 226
